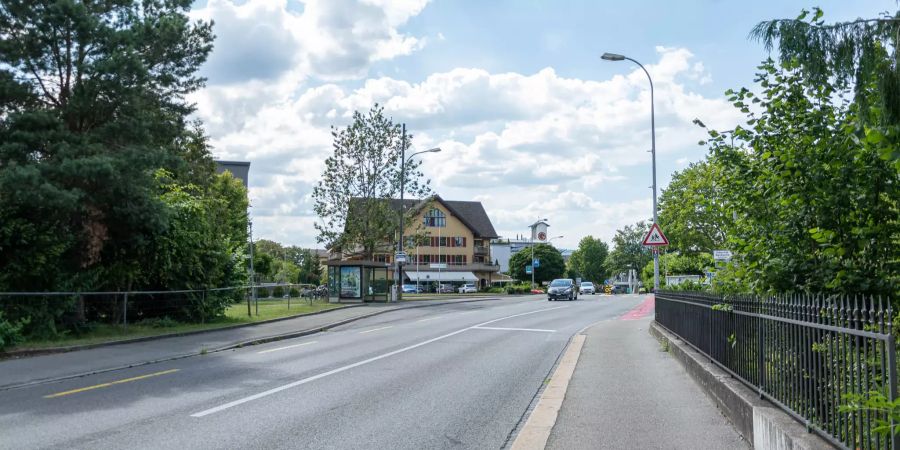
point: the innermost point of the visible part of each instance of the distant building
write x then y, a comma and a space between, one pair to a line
238, 169
453, 246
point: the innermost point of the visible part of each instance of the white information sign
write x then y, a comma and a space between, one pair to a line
722, 255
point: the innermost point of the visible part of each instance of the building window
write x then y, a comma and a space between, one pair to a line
435, 218
459, 242
443, 241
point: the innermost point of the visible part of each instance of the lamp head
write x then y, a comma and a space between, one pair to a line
612, 57
432, 150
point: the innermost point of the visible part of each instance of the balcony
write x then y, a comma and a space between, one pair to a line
482, 251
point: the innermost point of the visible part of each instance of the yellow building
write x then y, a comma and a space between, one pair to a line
447, 242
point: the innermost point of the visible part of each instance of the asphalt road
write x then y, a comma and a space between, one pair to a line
449, 376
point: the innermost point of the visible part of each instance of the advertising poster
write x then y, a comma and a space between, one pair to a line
350, 282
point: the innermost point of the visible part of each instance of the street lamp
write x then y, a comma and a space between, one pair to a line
617, 57
532, 249
554, 237
403, 161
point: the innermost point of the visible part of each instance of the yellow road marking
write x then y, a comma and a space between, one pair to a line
103, 385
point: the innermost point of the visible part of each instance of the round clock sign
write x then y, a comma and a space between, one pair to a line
542, 236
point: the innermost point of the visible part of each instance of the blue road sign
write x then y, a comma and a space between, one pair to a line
536, 262
528, 269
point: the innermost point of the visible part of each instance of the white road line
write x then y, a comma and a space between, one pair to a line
376, 329
351, 366
285, 347
514, 329
430, 318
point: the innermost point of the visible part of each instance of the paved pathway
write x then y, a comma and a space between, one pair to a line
627, 392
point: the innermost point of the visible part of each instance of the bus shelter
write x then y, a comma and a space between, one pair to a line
358, 281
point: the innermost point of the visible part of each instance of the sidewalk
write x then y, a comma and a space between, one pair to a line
627, 392
43, 368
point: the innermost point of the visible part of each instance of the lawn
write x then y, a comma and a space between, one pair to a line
234, 315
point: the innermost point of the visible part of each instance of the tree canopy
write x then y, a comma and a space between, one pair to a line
628, 251
105, 183
550, 265
588, 262
861, 54
353, 198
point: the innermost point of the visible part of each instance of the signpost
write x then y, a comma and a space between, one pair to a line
528, 270
655, 237
536, 262
400, 257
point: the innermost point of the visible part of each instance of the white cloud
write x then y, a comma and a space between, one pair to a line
329, 39
526, 145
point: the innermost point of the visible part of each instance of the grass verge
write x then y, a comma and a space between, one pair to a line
234, 315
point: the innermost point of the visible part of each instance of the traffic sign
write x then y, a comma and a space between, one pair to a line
655, 237
722, 255
527, 269
536, 262
400, 257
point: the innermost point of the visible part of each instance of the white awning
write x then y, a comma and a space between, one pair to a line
444, 275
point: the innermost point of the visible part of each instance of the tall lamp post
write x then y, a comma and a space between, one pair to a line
532, 249
403, 161
617, 57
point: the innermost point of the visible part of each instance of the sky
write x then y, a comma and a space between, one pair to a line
530, 120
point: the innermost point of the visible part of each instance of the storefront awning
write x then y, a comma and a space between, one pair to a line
445, 275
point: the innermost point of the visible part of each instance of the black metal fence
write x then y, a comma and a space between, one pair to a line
805, 353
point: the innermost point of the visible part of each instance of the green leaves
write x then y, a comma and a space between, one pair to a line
551, 264
361, 177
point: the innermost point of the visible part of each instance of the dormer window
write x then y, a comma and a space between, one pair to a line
435, 218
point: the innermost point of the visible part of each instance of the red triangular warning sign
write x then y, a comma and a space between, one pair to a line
655, 237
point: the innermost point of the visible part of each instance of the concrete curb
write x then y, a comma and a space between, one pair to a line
239, 344
537, 429
759, 422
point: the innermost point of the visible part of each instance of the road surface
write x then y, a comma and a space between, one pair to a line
448, 376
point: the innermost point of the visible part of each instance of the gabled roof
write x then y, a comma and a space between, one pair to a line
471, 214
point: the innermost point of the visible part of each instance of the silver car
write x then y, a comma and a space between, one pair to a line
586, 288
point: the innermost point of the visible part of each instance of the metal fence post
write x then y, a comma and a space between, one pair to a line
761, 355
249, 296
892, 380
125, 313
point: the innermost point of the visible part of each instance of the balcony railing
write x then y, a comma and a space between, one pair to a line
482, 251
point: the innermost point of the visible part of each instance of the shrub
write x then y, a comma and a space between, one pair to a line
277, 292
294, 292
11, 333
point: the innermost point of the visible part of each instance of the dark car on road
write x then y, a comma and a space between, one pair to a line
562, 288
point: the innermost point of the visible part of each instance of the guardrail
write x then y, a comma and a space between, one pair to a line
804, 353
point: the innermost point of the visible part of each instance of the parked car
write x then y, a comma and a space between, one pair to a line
586, 288
562, 288
411, 289
468, 288
446, 289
